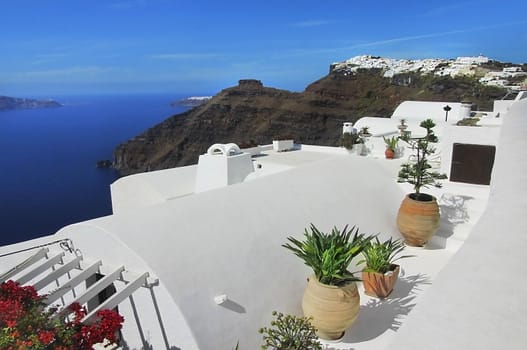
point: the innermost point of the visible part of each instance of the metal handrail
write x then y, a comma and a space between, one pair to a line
65, 243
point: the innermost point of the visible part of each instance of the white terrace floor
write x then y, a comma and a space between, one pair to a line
461, 207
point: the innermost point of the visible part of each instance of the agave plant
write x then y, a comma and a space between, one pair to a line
329, 254
391, 142
379, 256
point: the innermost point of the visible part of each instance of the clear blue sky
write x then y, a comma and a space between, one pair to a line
192, 46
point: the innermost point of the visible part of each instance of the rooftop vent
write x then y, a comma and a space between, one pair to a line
222, 165
348, 128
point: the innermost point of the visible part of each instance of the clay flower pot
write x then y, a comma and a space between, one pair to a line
389, 154
333, 308
380, 285
418, 220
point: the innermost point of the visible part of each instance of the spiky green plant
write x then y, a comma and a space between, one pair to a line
379, 256
418, 173
329, 254
289, 332
391, 142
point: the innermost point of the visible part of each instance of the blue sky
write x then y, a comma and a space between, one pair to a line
200, 47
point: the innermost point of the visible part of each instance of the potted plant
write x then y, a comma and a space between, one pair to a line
365, 131
381, 273
418, 216
289, 332
352, 142
391, 146
331, 297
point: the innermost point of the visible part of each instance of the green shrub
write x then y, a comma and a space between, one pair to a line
290, 332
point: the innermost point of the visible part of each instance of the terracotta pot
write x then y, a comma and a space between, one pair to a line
333, 308
418, 220
389, 154
380, 284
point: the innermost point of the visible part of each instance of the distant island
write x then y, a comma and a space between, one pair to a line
192, 101
11, 103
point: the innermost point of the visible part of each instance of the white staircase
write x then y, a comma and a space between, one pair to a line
61, 272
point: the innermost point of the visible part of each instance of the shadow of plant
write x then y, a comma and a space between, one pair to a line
453, 212
380, 315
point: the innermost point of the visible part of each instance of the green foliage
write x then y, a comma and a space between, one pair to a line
329, 255
418, 173
365, 131
378, 256
290, 332
391, 143
347, 140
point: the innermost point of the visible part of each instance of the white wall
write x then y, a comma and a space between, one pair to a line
478, 299
502, 106
146, 189
421, 110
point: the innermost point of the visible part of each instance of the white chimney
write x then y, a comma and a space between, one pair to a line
222, 165
464, 110
347, 127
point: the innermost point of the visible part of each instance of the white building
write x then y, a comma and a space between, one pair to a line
205, 269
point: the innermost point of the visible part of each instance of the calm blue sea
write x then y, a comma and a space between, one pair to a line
48, 174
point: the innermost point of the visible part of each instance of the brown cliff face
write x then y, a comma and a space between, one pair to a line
252, 112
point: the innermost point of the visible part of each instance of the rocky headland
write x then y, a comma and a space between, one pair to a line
253, 113
10, 103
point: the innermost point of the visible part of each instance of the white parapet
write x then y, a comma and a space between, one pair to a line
283, 145
221, 166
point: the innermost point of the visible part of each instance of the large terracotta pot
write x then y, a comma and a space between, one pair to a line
379, 284
418, 220
333, 308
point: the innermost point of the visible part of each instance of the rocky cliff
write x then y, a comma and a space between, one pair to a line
8, 103
251, 112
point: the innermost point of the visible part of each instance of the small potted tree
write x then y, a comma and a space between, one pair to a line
331, 297
418, 216
380, 273
391, 146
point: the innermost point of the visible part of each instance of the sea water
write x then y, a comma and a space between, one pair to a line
48, 157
